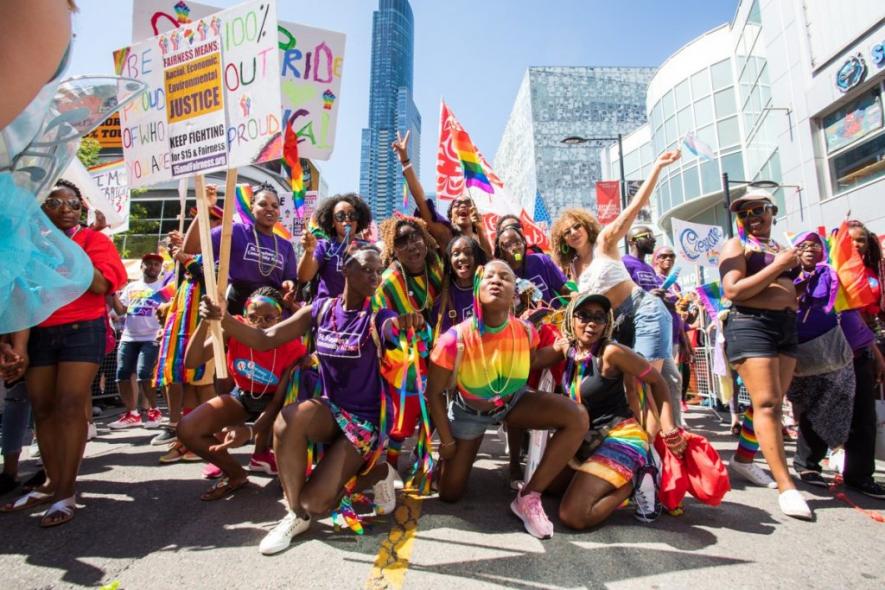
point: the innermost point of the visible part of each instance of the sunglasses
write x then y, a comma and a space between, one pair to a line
591, 318
810, 246
342, 216
636, 238
671, 256
407, 238
461, 203
56, 203
757, 211
570, 230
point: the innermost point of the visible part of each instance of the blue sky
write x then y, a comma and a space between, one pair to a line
472, 52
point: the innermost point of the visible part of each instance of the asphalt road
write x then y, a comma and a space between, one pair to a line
142, 524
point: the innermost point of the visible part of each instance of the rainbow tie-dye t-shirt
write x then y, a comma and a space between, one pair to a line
493, 368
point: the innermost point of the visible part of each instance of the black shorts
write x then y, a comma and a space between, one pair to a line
254, 406
760, 333
77, 342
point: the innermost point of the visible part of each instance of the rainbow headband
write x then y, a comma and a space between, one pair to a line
259, 299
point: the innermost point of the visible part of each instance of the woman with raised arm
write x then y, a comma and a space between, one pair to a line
760, 338
572, 238
642, 321
342, 218
347, 420
488, 358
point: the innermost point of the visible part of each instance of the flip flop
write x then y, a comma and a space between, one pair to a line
59, 513
222, 488
28, 501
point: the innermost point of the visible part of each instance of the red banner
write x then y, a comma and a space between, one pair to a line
608, 200
534, 234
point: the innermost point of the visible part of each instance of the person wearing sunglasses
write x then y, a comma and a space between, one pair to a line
411, 284
615, 448
64, 353
341, 218
756, 274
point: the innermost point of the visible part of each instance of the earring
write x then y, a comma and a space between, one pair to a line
564, 248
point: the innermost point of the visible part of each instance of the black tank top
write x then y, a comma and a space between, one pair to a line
604, 397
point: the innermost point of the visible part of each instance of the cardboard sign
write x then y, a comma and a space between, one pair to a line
113, 193
213, 96
697, 243
108, 133
296, 224
311, 65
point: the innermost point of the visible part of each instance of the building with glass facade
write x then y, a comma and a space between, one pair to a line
557, 102
391, 107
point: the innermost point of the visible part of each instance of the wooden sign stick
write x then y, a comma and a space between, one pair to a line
230, 199
209, 274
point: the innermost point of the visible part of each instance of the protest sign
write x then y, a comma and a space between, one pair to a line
291, 220
311, 64
697, 243
201, 114
114, 191
108, 133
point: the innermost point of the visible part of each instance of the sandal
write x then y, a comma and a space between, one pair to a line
736, 429
28, 501
223, 488
59, 513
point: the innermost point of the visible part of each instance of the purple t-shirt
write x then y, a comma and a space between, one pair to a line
642, 273
856, 331
459, 308
543, 272
330, 256
277, 256
348, 356
811, 319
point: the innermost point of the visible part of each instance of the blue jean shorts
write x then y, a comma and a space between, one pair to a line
652, 325
140, 357
470, 424
77, 342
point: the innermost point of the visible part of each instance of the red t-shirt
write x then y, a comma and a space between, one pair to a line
105, 258
260, 372
548, 335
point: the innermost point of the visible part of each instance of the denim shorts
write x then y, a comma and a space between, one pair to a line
760, 333
140, 357
470, 424
652, 325
254, 406
77, 342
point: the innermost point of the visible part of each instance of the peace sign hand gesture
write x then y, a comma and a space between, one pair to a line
401, 146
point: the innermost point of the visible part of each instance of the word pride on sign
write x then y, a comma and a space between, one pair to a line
697, 243
213, 98
311, 63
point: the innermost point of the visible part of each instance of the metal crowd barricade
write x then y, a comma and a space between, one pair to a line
706, 383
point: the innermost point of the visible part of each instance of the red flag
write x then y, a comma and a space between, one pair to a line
608, 200
534, 235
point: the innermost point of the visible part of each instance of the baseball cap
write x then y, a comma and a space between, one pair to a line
600, 300
151, 256
751, 196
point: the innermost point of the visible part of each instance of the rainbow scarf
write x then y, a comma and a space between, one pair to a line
420, 475
181, 322
293, 162
471, 162
477, 306
574, 374
243, 202
855, 291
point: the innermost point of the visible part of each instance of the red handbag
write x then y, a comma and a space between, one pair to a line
707, 476
674, 481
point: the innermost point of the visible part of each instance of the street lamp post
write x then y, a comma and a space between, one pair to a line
578, 140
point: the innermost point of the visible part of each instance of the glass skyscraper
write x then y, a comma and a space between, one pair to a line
391, 107
557, 102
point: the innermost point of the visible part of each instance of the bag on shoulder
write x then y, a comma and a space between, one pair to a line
827, 353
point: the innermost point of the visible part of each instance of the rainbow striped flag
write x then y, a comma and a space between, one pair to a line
471, 162
296, 173
711, 297
164, 294
244, 196
855, 291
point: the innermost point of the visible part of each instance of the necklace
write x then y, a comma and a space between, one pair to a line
273, 263
273, 365
413, 296
485, 364
74, 231
577, 368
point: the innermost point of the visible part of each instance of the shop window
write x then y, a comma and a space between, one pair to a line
854, 121
721, 74
859, 165
700, 84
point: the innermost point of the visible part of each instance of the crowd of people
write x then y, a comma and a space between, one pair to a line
440, 331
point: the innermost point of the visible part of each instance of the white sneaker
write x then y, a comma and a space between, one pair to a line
645, 499
91, 431
281, 536
127, 420
385, 492
793, 504
753, 474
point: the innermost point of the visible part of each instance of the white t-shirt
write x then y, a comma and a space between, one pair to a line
141, 323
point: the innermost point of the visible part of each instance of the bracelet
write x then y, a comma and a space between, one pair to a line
251, 433
406, 167
448, 444
404, 162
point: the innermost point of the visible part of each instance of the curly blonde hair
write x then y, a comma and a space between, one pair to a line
387, 232
564, 254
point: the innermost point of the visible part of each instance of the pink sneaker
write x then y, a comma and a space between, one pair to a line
211, 471
154, 417
127, 420
264, 462
529, 509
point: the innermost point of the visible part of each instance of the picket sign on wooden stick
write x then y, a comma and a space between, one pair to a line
209, 274
182, 201
230, 199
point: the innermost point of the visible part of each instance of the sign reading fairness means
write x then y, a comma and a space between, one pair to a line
697, 243
311, 65
168, 135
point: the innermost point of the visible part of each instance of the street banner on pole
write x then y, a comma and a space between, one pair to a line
608, 200
310, 68
697, 243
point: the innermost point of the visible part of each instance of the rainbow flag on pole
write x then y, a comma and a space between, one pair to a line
293, 162
855, 291
471, 162
711, 298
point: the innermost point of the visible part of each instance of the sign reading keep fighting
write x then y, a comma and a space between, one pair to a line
202, 112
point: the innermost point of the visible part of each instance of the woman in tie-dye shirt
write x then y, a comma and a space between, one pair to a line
490, 375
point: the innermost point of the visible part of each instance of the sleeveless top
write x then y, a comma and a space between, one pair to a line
602, 275
756, 261
604, 397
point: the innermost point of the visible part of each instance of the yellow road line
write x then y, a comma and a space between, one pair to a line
392, 561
